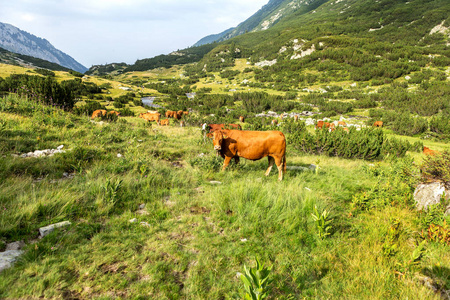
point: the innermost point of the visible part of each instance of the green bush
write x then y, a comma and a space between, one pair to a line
437, 166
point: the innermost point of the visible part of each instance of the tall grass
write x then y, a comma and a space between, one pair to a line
194, 236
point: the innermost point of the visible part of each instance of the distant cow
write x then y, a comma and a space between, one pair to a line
252, 145
378, 124
172, 114
241, 119
274, 122
342, 123
182, 124
214, 127
185, 113
150, 116
295, 118
113, 112
428, 151
319, 124
210, 128
99, 113
164, 122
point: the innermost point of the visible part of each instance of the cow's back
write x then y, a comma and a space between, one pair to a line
255, 145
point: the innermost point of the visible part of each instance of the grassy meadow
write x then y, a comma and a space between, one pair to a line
195, 235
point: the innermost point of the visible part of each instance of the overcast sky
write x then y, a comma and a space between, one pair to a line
104, 31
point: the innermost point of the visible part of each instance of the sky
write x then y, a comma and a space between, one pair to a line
96, 32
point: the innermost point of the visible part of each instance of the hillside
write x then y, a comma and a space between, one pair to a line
377, 28
18, 41
11, 58
265, 18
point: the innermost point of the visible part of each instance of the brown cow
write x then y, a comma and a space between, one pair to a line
295, 118
215, 127
171, 114
274, 122
378, 124
241, 119
319, 124
345, 129
252, 145
150, 116
114, 112
99, 113
164, 122
342, 123
428, 151
185, 113
182, 124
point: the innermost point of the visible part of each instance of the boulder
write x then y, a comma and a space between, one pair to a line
427, 194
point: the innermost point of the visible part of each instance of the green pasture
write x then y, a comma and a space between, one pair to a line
194, 235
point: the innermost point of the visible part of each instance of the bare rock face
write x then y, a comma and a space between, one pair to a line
427, 194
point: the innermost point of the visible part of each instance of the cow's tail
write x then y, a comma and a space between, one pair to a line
284, 163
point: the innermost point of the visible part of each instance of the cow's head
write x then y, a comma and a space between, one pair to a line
217, 140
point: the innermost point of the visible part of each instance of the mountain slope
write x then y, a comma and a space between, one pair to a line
266, 17
11, 58
15, 40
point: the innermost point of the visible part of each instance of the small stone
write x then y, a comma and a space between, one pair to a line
142, 206
119, 155
215, 182
243, 240
15, 245
134, 220
48, 229
60, 147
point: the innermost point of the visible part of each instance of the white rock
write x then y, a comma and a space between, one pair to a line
48, 229
15, 245
7, 258
215, 182
134, 220
119, 155
427, 194
60, 147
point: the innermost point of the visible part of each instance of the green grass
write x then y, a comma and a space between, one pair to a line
197, 235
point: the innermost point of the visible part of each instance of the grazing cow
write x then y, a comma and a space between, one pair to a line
342, 123
428, 151
164, 122
215, 127
150, 116
252, 145
99, 113
182, 124
345, 129
320, 124
171, 114
295, 118
179, 114
114, 112
274, 122
378, 124
185, 113
241, 119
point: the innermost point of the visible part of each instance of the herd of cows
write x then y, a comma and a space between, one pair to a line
231, 142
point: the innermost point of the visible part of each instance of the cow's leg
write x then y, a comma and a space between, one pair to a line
271, 161
278, 162
226, 162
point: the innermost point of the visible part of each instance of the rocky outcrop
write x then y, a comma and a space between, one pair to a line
427, 194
